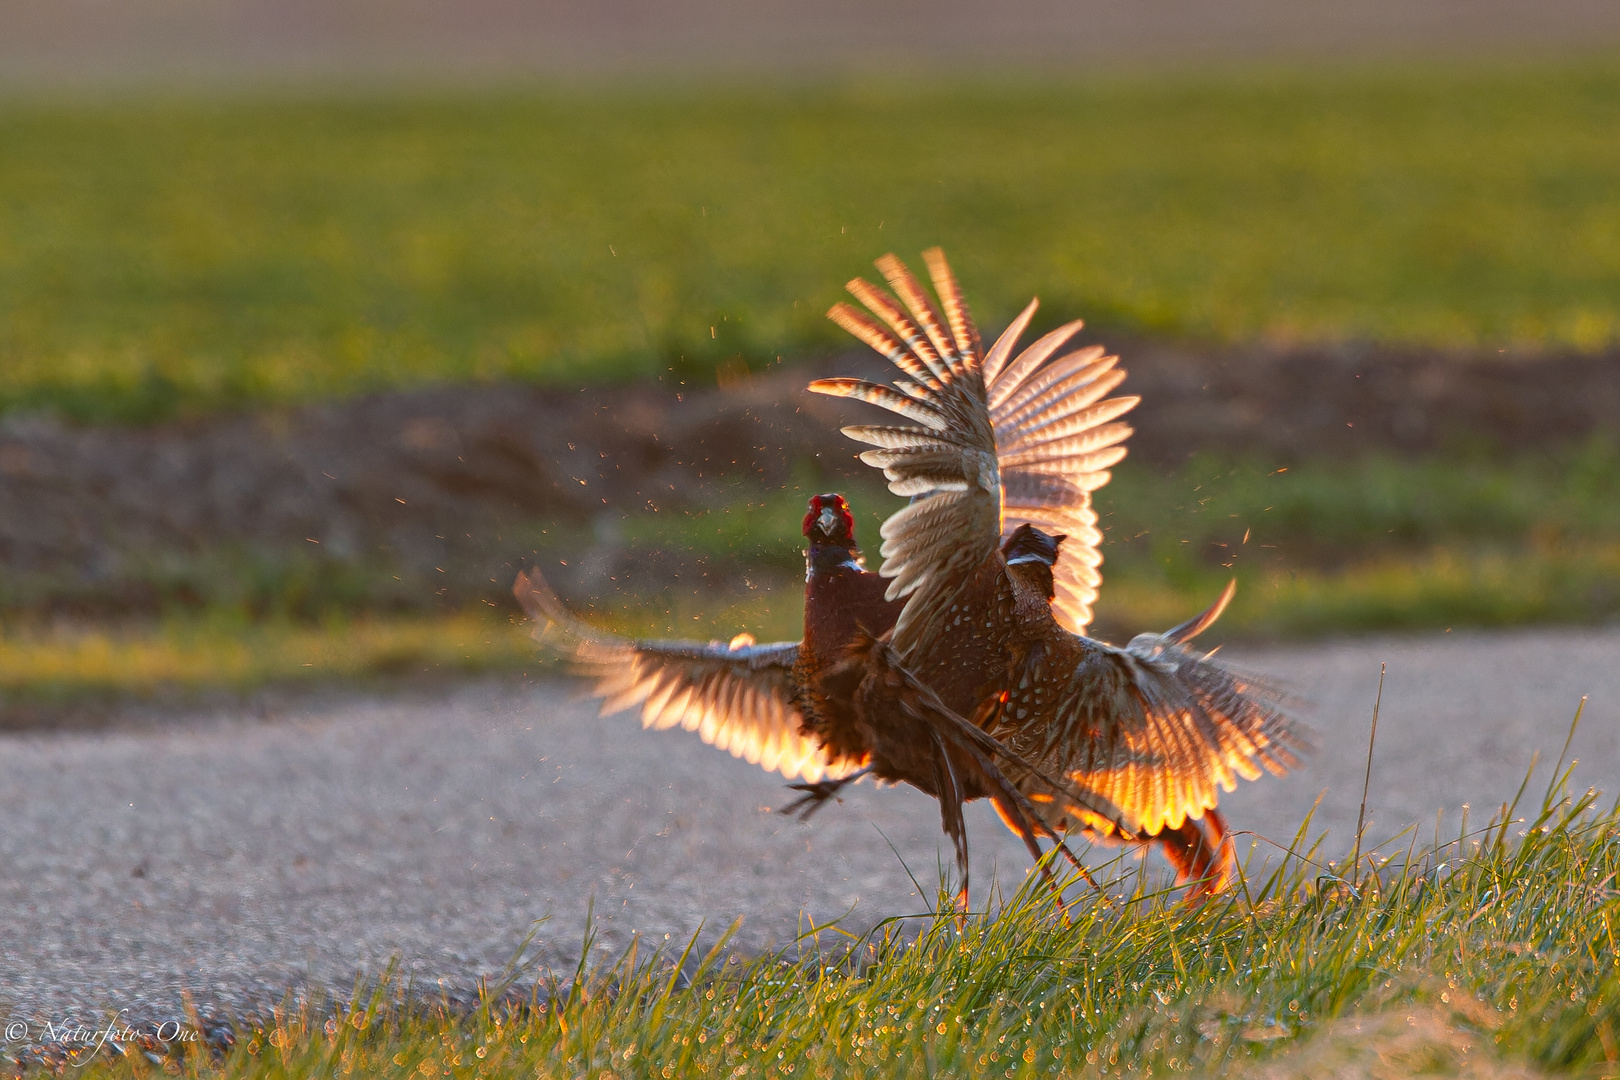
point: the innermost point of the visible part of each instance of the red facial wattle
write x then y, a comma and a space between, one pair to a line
829, 515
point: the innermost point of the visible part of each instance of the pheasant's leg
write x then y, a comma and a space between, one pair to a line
1010, 819
1019, 815
923, 704
1224, 861
1015, 809
816, 795
1201, 853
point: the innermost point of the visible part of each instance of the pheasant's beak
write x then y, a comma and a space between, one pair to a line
827, 520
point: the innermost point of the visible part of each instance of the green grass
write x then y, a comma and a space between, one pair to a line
1443, 588
1379, 543
172, 255
1320, 547
193, 656
1332, 548
1328, 512
64, 664
1482, 957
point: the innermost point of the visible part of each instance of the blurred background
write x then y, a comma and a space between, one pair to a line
320, 320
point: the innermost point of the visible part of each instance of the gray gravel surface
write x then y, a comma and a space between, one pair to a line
234, 857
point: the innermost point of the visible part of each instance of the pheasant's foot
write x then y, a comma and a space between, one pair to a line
816, 795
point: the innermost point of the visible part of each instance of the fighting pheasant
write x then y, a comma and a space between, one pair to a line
1109, 695
1000, 458
760, 702
768, 703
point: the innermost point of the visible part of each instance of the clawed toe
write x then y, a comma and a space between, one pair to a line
814, 798
816, 794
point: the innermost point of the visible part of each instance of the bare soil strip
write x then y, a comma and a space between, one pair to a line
448, 487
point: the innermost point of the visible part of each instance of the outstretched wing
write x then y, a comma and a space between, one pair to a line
999, 440
936, 544
739, 698
1057, 435
1155, 729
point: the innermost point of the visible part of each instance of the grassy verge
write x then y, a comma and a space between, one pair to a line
191, 657
1492, 955
45, 665
173, 255
183, 656
1321, 547
1444, 587
1381, 543
1332, 547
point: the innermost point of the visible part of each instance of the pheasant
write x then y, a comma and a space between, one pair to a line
769, 703
1122, 743
766, 703
1198, 848
760, 702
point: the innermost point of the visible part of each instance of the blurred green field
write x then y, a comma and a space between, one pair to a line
168, 256
162, 256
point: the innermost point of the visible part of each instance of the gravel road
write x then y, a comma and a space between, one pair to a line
234, 856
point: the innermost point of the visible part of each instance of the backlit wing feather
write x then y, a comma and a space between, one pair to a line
1057, 436
948, 456
1004, 439
737, 697
1155, 729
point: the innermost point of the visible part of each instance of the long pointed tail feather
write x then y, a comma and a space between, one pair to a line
1196, 625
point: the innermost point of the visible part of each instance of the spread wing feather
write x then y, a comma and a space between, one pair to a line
922, 309
870, 333
740, 699
963, 330
1012, 379
918, 406
1082, 367
1006, 439
1093, 437
1154, 728
1075, 464
910, 334
1002, 350
1065, 409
